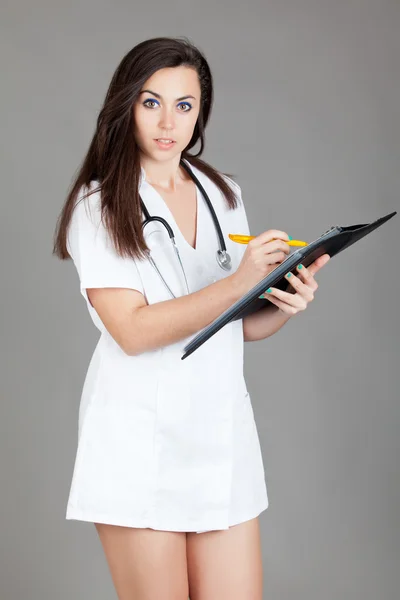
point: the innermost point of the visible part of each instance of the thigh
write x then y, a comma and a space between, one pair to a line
225, 565
145, 563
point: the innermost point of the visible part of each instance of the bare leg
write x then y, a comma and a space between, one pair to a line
226, 565
144, 563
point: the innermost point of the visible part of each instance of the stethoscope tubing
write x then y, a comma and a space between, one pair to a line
210, 206
225, 262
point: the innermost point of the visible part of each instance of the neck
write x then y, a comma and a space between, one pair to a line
166, 174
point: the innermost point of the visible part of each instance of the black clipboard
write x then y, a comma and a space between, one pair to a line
334, 240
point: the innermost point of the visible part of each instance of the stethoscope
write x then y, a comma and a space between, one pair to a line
222, 255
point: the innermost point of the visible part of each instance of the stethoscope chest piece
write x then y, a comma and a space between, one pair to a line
224, 260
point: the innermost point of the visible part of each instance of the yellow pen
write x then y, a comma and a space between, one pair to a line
245, 239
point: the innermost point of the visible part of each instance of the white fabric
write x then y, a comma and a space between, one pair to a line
165, 443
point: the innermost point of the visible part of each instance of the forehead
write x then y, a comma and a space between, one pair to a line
174, 81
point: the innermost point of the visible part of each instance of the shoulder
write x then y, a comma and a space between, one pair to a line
87, 205
211, 187
89, 194
86, 215
234, 185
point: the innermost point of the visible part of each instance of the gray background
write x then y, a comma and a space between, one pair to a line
307, 114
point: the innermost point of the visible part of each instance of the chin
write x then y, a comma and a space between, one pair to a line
159, 154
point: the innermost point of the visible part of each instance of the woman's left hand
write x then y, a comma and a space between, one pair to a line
303, 285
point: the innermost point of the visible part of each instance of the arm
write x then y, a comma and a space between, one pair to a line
138, 327
263, 323
113, 286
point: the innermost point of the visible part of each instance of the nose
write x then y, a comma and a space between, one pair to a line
167, 118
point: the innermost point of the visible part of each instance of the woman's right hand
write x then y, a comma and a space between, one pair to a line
260, 258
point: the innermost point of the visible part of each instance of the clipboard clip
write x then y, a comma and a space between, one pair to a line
334, 227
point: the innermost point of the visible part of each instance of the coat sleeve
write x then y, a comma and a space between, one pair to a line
93, 253
240, 222
242, 225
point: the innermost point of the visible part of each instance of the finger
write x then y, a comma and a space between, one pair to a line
318, 264
301, 288
306, 277
276, 246
294, 300
287, 309
269, 235
269, 258
272, 258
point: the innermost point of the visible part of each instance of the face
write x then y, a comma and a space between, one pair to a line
167, 108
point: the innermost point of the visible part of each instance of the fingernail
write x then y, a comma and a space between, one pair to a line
262, 296
269, 290
290, 237
288, 275
300, 266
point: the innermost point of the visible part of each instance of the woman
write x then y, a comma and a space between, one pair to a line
168, 449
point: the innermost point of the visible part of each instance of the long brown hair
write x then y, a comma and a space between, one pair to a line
113, 156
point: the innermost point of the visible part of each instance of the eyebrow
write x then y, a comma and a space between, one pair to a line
159, 95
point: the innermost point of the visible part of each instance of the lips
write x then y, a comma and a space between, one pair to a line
164, 146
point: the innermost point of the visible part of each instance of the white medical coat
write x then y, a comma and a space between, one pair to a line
165, 443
